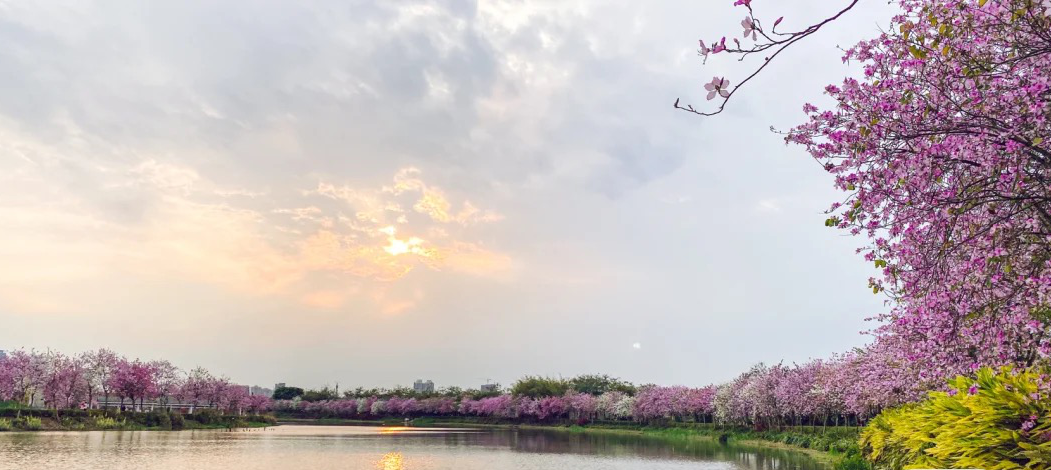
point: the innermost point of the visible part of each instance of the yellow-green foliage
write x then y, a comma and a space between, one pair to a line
29, 423
997, 420
103, 422
5, 424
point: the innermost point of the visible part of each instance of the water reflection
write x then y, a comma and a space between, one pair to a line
391, 461
392, 448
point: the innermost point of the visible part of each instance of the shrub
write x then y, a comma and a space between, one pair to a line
5, 424
268, 419
852, 462
158, 419
29, 423
72, 424
177, 420
207, 416
995, 420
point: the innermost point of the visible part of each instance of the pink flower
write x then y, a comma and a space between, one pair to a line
743, 2
1029, 423
704, 50
719, 47
717, 87
749, 27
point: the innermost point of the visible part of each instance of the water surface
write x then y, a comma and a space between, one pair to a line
347, 447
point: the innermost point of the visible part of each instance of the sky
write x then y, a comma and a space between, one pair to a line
367, 193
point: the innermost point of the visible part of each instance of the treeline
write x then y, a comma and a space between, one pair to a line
95, 378
530, 386
835, 392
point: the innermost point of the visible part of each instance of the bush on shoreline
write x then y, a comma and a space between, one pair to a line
29, 423
999, 419
75, 420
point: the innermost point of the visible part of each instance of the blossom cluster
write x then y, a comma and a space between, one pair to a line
943, 152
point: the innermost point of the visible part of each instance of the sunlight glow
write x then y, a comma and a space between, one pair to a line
391, 461
396, 246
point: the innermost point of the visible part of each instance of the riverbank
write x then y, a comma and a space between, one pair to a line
834, 446
101, 420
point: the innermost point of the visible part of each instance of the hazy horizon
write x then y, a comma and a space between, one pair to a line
366, 194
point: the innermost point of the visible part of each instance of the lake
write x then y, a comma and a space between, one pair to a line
351, 447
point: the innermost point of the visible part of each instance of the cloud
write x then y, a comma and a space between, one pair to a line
768, 205
433, 203
194, 229
404, 168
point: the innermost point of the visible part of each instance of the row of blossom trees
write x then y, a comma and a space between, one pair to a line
103, 378
853, 386
846, 389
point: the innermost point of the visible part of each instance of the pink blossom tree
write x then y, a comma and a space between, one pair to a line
257, 404
940, 150
196, 387
63, 382
99, 368
169, 380
134, 380
22, 374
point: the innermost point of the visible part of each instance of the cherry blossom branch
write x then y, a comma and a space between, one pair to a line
719, 86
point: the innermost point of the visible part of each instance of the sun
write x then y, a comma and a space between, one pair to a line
397, 246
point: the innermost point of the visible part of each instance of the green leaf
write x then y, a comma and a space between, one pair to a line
981, 3
1038, 141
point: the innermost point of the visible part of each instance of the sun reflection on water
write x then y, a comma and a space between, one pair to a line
391, 461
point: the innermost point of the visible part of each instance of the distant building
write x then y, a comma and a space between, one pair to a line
257, 390
423, 387
489, 387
